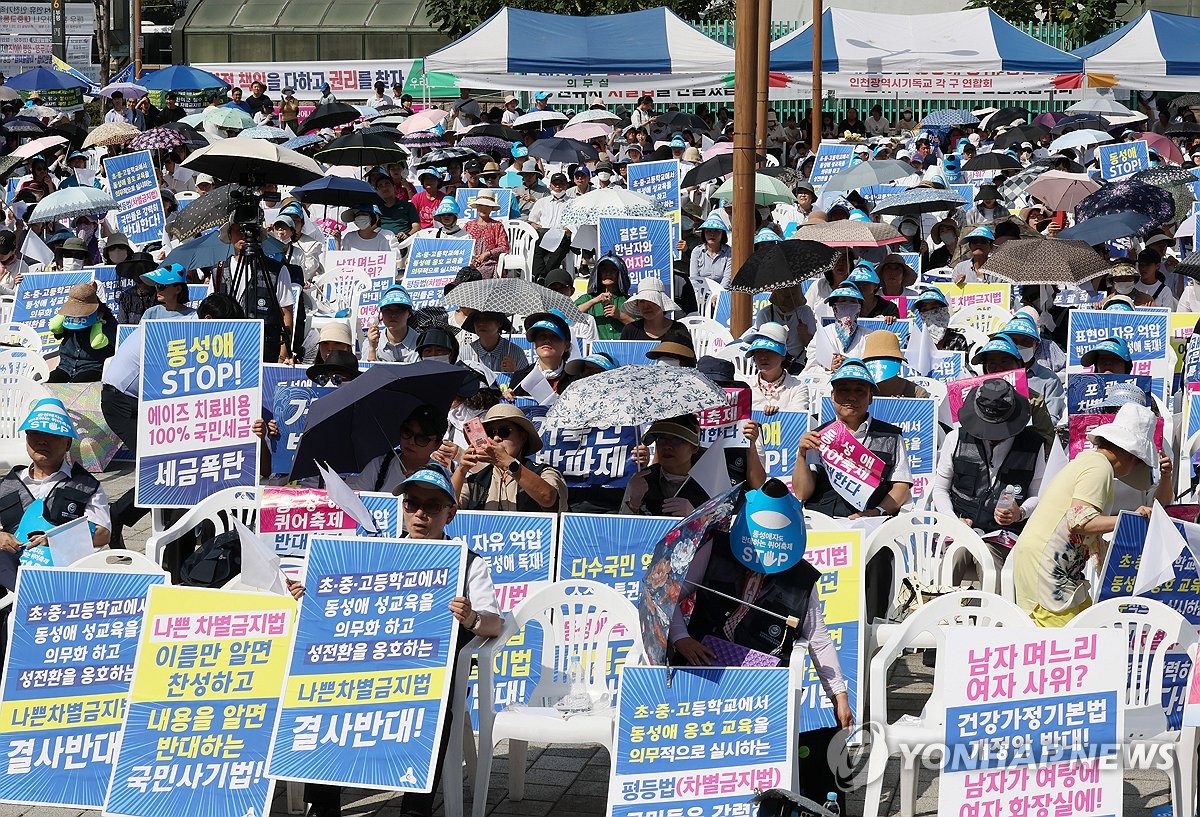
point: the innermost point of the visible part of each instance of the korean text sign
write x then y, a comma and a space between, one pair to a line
290, 515
854, 470
778, 435
917, 417
830, 160
1032, 724
378, 269
40, 295
433, 263
659, 181
1122, 159
644, 244
1146, 332
287, 395
837, 554
1088, 393
707, 742
201, 383
370, 674
66, 678
205, 693
134, 185
465, 195
595, 457
958, 390
960, 296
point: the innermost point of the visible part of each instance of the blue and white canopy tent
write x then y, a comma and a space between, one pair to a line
957, 53
1155, 52
530, 50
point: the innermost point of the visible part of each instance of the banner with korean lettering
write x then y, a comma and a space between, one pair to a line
66, 678
948, 366
433, 263
961, 296
659, 181
778, 436
1146, 331
593, 457
1088, 393
287, 395
1030, 723
201, 392
373, 272
853, 469
370, 673
40, 295
644, 244
465, 196
1182, 327
830, 160
348, 79
519, 548
704, 744
289, 515
838, 555
1122, 159
917, 416
205, 694
133, 182
723, 426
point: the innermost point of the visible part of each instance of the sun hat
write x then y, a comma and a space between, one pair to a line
508, 413
803, 186
720, 371
490, 169
286, 220
339, 362
676, 351
714, 222
528, 166
336, 331
882, 355
854, 369
348, 215
396, 295
1119, 394
75, 248
693, 155
437, 336
770, 336
766, 235
997, 343
1132, 430
552, 320
1023, 325
49, 416
994, 411
601, 360
204, 178
485, 199
165, 276
844, 291
504, 320
685, 427
651, 290
910, 275
447, 207
982, 231
82, 302
1112, 345
433, 474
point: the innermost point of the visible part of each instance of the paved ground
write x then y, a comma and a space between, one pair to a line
563, 780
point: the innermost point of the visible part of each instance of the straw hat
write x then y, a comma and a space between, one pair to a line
506, 412
82, 301
485, 199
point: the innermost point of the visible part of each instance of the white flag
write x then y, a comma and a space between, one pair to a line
711, 471
34, 249
538, 387
823, 350
919, 353
1055, 462
1162, 547
260, 564
343, 496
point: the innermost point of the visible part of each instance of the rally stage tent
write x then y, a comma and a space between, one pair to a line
1155, 52
530, 50
960, 53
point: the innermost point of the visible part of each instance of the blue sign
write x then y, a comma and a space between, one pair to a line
624, 352
1088, 393
287, 395
369, 677
1122, 159
876, 193
592, 457
1146, 331
644, 244
504, 198
778, 436
134, 186
830, 160
659, 181
918, 418
200, 396
610, 548
40, 295
66, 680
902, 328
948, 366
724, 303
433, 263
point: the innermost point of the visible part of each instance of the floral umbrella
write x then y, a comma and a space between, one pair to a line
633, 395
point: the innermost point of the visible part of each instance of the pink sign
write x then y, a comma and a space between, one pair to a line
1080, 424
901, 302
289, 515
722, 424
957, 390
854, 470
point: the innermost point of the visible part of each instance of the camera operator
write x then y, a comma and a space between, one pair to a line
261, 285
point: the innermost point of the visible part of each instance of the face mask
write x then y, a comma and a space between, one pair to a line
363, 222
439, 358
85, 233
603, 176
558, 195
72, 264
843, 310
1123, 287
1027, 353
118, 255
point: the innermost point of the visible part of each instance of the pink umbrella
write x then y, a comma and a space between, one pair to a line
718, 149
427, 119
1163, 145
31, 149
1048, 119
1061, 190
586, 131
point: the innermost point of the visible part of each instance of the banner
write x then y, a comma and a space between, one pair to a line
134, 185
40, 295
1182, 326
646, 245
902, 328
609, 548
66, 678
1030, 721
371, 272
1122, 159
205, 693
1088, 393
961, 296
704, 744
1079, 425
348, 79
201, 390
831, 159
370, 673
287, 394
289, 515
778, 437
853, 469
957, 391
918, 419
659, 181
433, 263
723, 426
21, 19
838, 556
464, 195
1146, 331
624, 352
593, 457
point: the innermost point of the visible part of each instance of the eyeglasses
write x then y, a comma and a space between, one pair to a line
662, 439
500, 432
429, 508
408, 435
324, 379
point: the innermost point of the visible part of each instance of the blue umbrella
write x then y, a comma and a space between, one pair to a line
209, 250
337, 191
1154, 203
181, 78
1100, 229
44, 79
297, 142
918, 200
949, 118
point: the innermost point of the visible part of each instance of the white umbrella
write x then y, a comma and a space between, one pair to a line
72, 201
427, 119
609, 201
585, 131
1101, 104
601, 115
542, 118
126, 89
1079, 139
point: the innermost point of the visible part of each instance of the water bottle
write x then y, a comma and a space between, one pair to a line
831, 804
577, 698
1009, 497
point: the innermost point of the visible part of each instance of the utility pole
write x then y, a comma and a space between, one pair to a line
135, 38
763, 74
817, 28
745, 98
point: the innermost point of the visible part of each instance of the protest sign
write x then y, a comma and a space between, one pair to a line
778, 436
659, 181
1145, 331
644, 244
901, 302
876, 193
611, 549
66, 677
202, 703
722, 426
837, 555
1088, 393
624, 352
947, 366
370, 673
349, 79
200, 392
902, 328
1182, 326
680, 747
1072, 296
290, 515
591, 457
519, 548
830, 159
133, 182
433, 263
351, 272
40, 295
917, 417
961, 296
957, 391
1079, 425
1029, 720
287, 394
761, 300
464, 196
1122, 159
854, 470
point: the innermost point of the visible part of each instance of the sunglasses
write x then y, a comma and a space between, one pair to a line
325, 379
430, 507
500, 432
406, 435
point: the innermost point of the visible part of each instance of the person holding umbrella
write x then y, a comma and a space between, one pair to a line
490, 348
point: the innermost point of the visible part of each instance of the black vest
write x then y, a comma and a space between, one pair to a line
786, 593
478, 485
884, 440
260, 301
66, 501
972, 490
653, 499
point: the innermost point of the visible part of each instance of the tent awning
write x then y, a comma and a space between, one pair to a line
1155, 52
531, 50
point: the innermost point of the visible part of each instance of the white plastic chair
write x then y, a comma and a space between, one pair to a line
27, 363
7, 303
708, 336
578, 620
986, 318
220, 509
129, 561
17, 396
815, 520
735, 353
20, 334
1152, 630
913, 738
518, 261
709, 298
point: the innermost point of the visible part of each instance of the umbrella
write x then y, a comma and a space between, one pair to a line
717, 149
707, 170
1100, 104
39, 112
70, 130
1011, 137
1048, 119
432, 317
1176, 181
563, 151
600, 115
1161, 145
392, 117
1006, 116
204, 213
158, 139
194, 137
1068, 123
511, 296
1046, 261
427, 119
504, 132
784, 264
329, 115
126, 89
193, 120
424, 139
539, 119
1185, 101
1182, 129
382, 130
680, 121
228, 118
442, 156
297, 142
181, 78
45, 79
848, 233
994, 160
767, 190
257, 160
1108, 227
633, 395
788, 175
485, 144
110, 134
209, 250
72, 201
9, 163
367, 112
33, 148
23, 126
336, 191
9, 95
265, 132
1190, 266
1153, 202
361, 419
867, 174
611, 201
1062, 191
359, 150
1080, 139
949, 118
586, 131
919, 200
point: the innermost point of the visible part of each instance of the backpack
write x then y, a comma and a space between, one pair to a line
217, 560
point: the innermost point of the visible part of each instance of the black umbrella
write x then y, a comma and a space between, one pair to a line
1108, 227
361, 150
1081, 120
1156, 204
22, 126
564, 151
10, 164
439, 157
1059, 163
194, 138
994, 160
1006, 116
1046, 261
330, 115
336, 192
74, 133
1190, 266
713, 168
361, 420
784, 264
386, 131
679, 121
499, 131
1182, 129
1016, 135
203, 213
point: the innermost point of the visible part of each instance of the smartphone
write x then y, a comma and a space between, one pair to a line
1060, 218
476, 436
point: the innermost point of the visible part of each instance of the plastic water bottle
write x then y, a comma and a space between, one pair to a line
831, 804
577, 698
1009, 497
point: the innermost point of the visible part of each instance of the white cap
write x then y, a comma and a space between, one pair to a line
204, 178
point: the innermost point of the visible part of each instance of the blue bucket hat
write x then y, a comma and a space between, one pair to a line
982, 231
553, 320
49, 416
714, 222
933, 295
434, 474
766, 235
1021, 325
998, 343
165, 276
447, 207
1113, 345
677, 142
845, 292
396, 296
854, 369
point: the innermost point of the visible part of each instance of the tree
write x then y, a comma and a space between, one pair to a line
457, 17
1083, 20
